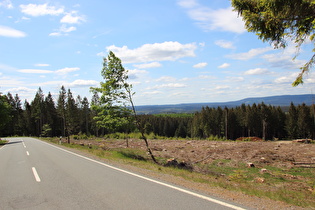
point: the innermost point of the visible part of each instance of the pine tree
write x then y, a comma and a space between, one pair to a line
37, 111
50, 116
72, 121
61, 111
291, 122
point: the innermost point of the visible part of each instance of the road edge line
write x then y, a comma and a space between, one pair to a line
151, 180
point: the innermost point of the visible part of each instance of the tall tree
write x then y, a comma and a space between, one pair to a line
4, 112
38, 111
72, 121
18, 127
50, 116
28, 122
85, 110
61, 110
116, 96
95, 103
278, 21
10, 127
304, 121
291, 122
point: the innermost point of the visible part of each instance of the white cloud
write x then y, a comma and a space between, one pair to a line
173, 85
200, 65
66, 29
224, 65
250, 54
48, 83
222, 87
55, 34
63, 30
6, 4
151, 92
168, 85
41, 10
41, 71
202, 44
225, 44
6, 68
166, 79
83, 83
166, 51
67, 70
187, 3
8, 81
235, 79
42, 64
134, 74
148, 65
21, 90
10, 32
102, 54
210, 19
35, 71
284, 59
256, 71
206, 77
72, 18
287, 79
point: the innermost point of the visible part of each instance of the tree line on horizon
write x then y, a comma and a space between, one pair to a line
74, 116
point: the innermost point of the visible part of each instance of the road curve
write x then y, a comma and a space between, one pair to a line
38, 175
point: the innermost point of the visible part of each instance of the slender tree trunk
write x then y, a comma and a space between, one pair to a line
141, 128
264, 123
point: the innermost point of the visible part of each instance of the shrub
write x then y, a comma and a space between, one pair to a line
253, 138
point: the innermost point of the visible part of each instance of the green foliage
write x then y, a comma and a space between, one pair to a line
177, 115
79, 136
216, 138
4, 111
3, 142
46, 130
112, 111
278, 21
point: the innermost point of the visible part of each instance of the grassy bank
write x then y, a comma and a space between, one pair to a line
294, 185
3, 142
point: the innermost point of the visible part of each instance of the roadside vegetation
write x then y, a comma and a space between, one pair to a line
292, 185
3, 142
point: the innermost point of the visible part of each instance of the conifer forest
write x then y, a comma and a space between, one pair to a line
67, 115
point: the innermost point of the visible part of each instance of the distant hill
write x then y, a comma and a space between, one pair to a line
283, 101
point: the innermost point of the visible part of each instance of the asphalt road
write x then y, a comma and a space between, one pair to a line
38, 175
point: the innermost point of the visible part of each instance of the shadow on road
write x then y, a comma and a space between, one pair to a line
14, 142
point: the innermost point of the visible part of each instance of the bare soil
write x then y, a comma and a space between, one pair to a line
280, 154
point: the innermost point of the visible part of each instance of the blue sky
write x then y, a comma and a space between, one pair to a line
176, 51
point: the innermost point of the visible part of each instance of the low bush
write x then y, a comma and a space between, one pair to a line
3, 142
251, 138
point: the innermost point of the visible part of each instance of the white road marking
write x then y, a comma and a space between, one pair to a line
35, 174
27, 153
23, 144
154, 181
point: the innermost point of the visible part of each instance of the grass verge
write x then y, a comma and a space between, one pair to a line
3, 142
294, 186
